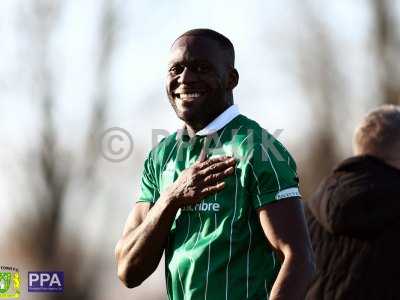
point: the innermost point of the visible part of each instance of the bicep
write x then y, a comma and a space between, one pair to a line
284, 226
136, 216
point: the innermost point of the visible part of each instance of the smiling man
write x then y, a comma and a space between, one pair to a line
219, 197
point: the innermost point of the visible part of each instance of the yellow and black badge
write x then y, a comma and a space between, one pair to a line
10, 282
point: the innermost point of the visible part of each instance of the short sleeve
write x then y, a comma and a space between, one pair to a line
149, 190
272, 174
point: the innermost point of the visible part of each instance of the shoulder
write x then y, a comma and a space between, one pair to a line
256, 143
166, 145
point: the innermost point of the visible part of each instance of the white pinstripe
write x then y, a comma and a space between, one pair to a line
220, 136
273, 258
188, 229
223, 130
209, 250
154, 185
180, 279
197, 239
236, 131
266, 290
169, 155
208, 270
272, 165
258, 183
248, 258
243, 139
230, 241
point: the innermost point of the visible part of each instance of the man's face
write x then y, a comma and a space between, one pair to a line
197, 78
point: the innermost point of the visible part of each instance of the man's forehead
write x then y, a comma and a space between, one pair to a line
194, 47
197, 41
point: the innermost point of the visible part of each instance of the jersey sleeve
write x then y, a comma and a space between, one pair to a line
149, 189
273, 174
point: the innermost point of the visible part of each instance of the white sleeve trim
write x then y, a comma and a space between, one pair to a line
288, 193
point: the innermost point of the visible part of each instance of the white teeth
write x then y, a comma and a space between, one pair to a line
189, 95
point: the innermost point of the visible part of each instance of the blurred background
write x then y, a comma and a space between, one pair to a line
69, 70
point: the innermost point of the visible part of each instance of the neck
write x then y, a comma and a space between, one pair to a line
197, 125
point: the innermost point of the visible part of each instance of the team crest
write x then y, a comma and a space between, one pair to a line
9, 283
5, 280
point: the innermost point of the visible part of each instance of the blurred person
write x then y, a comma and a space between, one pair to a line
354, 216
231, 227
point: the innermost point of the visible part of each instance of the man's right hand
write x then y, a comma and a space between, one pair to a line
202, 179
139, 251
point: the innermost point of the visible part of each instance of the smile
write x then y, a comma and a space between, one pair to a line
189, 96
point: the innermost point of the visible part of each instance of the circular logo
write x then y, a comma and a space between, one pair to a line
116, 144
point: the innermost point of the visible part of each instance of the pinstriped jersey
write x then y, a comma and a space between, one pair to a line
216, 248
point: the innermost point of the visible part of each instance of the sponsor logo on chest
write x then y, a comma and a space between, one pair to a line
203, 206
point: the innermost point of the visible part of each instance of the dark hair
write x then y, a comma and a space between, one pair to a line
222, 40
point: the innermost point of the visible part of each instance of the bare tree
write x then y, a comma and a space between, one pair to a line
323, 85
42, 236
98, 117
387, 45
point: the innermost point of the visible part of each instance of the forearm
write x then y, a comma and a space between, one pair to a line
293, 278
140, 250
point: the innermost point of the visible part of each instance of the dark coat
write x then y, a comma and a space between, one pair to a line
354, 222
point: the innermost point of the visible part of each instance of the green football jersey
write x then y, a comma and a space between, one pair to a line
217, 249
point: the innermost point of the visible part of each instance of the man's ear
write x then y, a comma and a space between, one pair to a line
233, 79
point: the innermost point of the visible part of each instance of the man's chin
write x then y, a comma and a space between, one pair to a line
186, 115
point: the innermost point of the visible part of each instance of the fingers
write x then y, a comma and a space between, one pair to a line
216, 177
215, 160
209, 173
218, 166
213, 189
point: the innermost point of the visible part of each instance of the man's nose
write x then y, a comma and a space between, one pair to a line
187, 76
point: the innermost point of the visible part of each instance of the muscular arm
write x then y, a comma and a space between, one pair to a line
143, 241
284, 226
140, 249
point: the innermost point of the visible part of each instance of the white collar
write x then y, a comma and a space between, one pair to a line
223, 119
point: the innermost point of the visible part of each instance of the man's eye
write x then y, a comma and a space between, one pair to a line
175, 70
202, 69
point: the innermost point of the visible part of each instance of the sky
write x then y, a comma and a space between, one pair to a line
264, 37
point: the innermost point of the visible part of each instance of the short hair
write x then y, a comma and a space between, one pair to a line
379, 133
222, 40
